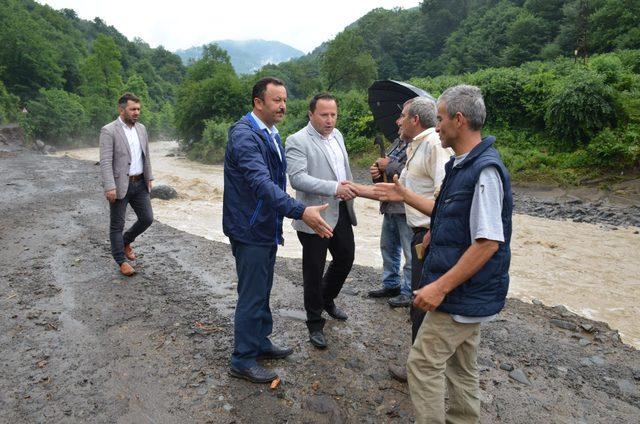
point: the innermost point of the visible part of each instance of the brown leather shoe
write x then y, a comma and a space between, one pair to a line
128, 252
127, 269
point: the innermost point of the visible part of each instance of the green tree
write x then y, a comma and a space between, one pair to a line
526, 37
57, 116
29, 59
616, 25
210, 90
137, 85
346, 64
102, 86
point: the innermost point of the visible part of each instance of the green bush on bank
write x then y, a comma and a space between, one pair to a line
8, 106
579, 107
211, 148
57, 117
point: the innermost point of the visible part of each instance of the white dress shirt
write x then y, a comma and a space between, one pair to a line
335, 155
136, 167
272, 133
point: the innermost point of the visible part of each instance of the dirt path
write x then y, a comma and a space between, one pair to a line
79, 343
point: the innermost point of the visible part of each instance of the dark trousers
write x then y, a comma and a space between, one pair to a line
417, 315
138, 197
252, 322
321, 290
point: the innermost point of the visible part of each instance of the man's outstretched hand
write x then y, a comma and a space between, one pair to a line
313, 219
390, 192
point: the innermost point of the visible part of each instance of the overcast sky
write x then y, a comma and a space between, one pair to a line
186, 23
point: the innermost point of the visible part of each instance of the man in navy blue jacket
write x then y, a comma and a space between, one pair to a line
254, 205
465, 277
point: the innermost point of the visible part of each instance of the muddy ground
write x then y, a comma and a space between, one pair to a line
81, 343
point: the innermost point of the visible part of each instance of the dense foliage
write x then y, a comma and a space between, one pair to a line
561, 78
561, 117
69, 73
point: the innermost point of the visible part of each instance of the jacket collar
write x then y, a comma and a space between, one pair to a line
476, 151
123, 136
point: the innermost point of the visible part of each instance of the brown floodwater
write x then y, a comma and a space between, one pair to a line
591, 270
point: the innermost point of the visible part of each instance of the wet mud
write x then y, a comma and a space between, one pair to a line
80, 343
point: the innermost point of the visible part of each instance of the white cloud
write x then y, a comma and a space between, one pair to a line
186, 23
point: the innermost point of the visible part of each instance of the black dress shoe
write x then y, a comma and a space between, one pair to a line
276, 352
336, 312
317, 339
385, 292
400, 301
255, 374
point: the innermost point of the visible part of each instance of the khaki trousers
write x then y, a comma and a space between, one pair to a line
444, 349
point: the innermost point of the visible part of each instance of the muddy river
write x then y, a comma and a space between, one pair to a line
591, 270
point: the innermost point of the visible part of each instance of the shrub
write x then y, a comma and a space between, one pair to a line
57, 116
614, 149
8, 106
503, 91
579, 107
211, 148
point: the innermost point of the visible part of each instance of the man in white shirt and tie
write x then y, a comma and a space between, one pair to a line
125, 169
317, 164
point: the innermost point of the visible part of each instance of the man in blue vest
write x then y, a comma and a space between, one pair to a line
254, 205
465, 276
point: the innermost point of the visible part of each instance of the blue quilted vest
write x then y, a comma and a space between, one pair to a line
484, 294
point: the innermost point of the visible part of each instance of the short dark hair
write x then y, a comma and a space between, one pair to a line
124, 99
321, 96
260, 87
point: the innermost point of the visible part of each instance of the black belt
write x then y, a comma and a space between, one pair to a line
134, 178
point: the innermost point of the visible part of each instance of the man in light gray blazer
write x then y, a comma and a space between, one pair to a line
318, 165
125, 169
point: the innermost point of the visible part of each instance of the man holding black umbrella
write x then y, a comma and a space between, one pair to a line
395, 236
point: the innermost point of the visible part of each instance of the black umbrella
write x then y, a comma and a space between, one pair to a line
386, 99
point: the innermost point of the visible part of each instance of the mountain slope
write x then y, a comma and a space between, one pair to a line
247, 55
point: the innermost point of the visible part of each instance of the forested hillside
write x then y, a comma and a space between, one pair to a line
67, 73
561, 78
457, 36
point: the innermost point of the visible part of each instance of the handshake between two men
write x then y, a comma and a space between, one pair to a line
427, 298
384, 192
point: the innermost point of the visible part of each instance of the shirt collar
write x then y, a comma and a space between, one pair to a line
125, 125
315, 132
272, 131
424, 134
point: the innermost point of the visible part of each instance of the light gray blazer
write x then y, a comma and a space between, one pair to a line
312, 175
115, 157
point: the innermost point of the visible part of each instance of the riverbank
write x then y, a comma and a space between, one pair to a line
80, 343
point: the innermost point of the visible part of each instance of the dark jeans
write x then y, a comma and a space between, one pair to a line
138, 197
253, 322
417, 315
321, 290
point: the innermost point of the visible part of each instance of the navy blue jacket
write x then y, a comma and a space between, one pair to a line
484, 293
255, 199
